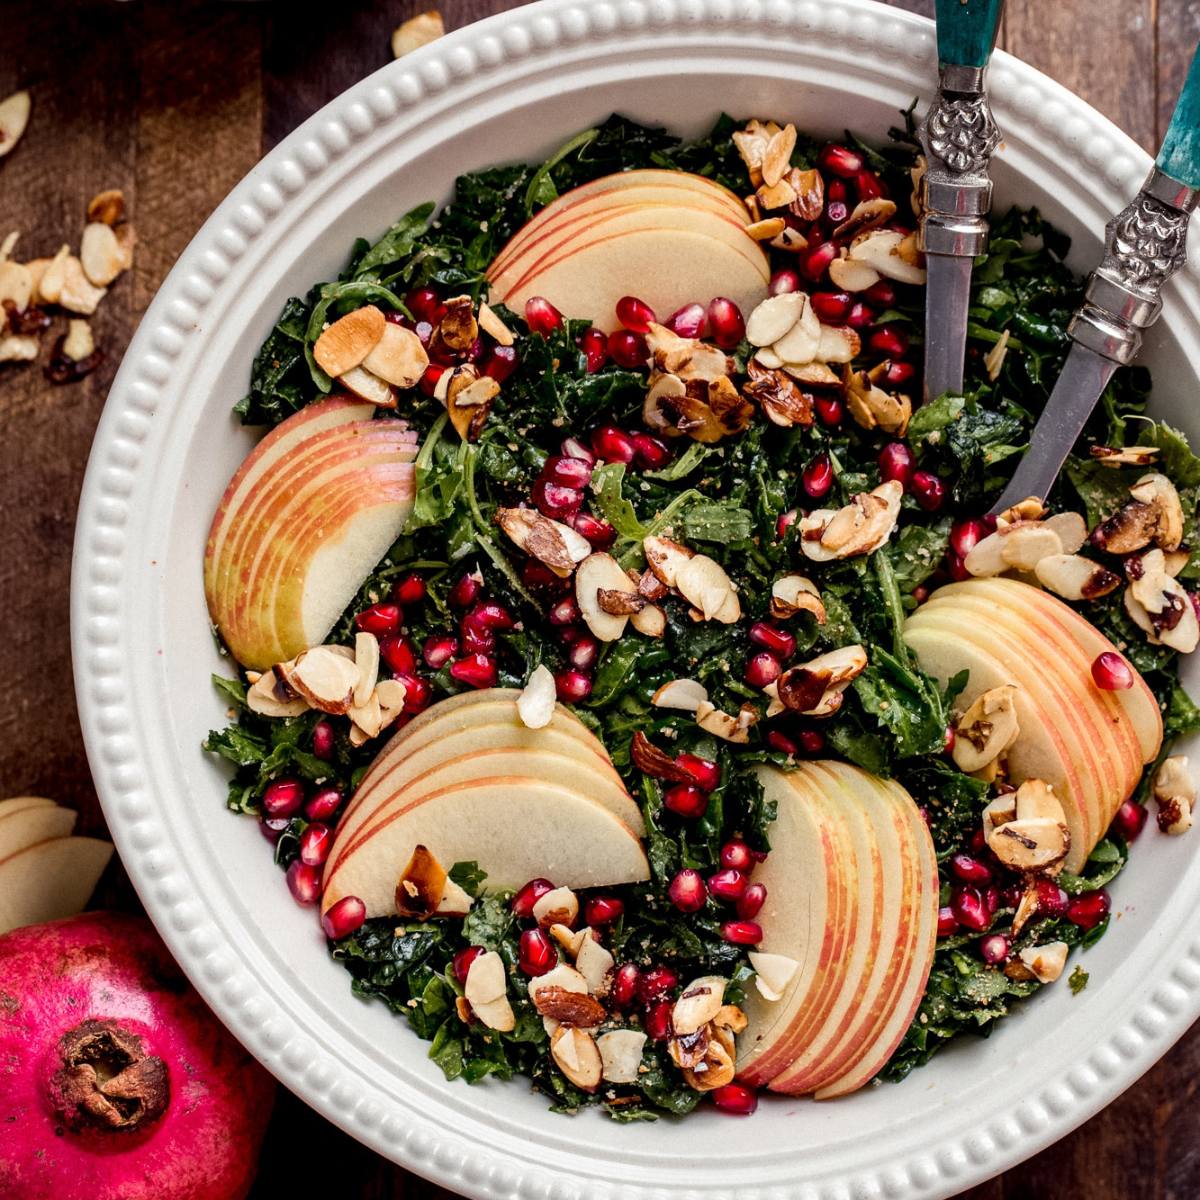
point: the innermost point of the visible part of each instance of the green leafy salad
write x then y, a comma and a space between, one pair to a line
821, 742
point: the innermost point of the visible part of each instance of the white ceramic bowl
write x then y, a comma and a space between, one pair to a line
514, 87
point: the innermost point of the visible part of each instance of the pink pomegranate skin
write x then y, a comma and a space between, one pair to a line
177, 1109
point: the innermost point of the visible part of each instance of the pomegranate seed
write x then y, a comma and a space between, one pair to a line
815, 261
752, 900
1088, 910
899, 373
1052, 901
541, 316
573, 687
830, 411
528, 895
735, 1098
831, 307
584, 652
965, 535
273, 828
881, 294
379, 619
947, 924
650, 453
657, 982
314, 843
597, 531
555, 501
628, 349
635, 314
572, 447
686, 800
323, 803
727, 884
536, 953
686, 891
466, 590
920, 594
978, 842
867, 185
969, 906
836, 211
500, 362
1011, 895
304, 882
476, 670
812, 741
763, 669
613, 445
1111, 673
687, 321
860, 315
623, 990
840, 160
399, 654
896, 462
658, 1021
410, 590
343, 918
424, 304
417, 693
462, 962
538, 577
492, 615
889, 341
568, 472
429, 379
928, 490
323, 739
817, 478
476, 637
603, 910
779, 741
726, 322
737, 856
958, 568
565, 612
594, 344
704, 771
742, 933
1130, 820
783, 281
283, 798
970, 870
439, 649
784, 522
995, 949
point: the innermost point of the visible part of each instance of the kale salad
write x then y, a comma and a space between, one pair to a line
627, 672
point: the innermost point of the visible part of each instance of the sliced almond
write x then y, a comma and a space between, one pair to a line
1024, 545
458, 328
872, 407
816, 374
720, 724
79, 342
368, 716
497, 1015
535, 705
368, 386
774, 317
366, 659
986, 557
390, 693
1070, 528
777, 155
1132, 527
570, 940
486, 979
686, 695
792, 594
1166, 605
1037, 839
1075, 578
126, 240
779, 195
703, 582
866, 215
100, 254
595, 963
344, 345
620, 603
715, 1070
598, 573
807, 688
416, 32
108, 206
993, 360
688, 358
987, 729
810, 194
884, 250
420, 886
8, 244
698, 1003
398, 357
324, 677
1157, 490
841, 344
1045, 962
665, 558
468, 399
552, 543
559, 906
802, 341
574, 1051
495, 328
20, 347
16, 286
50, 285
621, 1055
1175, 561
269, 697
651, 621
863, 525
773, 973
1175, 795
1124, 456
77, 293
767, 229
14, 116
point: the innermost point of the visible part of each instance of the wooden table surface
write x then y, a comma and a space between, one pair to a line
173, 103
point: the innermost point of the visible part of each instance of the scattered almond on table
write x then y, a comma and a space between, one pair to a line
416, 32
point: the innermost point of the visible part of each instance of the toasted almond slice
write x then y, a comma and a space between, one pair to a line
416, 32
535, 705
495, 328
486, 979
368, 716
789, 240
815, 373
1071, 529
368, 386
366, 659
77, 293
1175, 560
18, 348
774, 317
468, 399
344, 345
458, 329
574, 1051
594, 962
721, 724
269, 698
1159, 491
987, 729
999, 812
884, 250
559, 906
1175, 795
6, 246
1036, 799
777, 155
778, 196
324, 677
390, 693
16, 286
14, 116
1025, 544
1132, 527
552, 543
1045, 962
791, 594
698, 1003
766, 230
993, 360
986, 557
863, 525
420, 887
598, 573
866, 215
841, 344
665, 557
79, 343
703, 582
1124, 456
774, 972
1036, 839
650, 621
569, 939
621, 1054
107, 207
686, 695
811, 687
100, 254
1075, 578
50, 285
398, 357
768, 358
801, 343
496, 1014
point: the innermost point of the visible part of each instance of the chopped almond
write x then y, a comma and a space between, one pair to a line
535, 705
79, 343
14, 116
100, 254
416, 32
77, 293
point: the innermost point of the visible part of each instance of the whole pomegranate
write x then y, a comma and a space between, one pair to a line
116, 1083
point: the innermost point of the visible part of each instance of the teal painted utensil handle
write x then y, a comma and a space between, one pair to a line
966, 31
1180, 154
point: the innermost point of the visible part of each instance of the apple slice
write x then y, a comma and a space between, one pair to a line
516, 829
17, 804
28, 826
50, 880
289, 552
